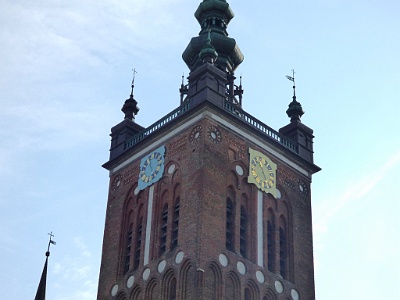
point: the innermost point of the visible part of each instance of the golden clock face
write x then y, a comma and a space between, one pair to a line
262, 172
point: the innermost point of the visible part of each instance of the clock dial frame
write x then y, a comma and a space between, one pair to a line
195, 134
151, 168
302, 188
214, 134
262, 172
117, 182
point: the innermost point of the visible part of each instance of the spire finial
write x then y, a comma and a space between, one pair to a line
208, 52
291, 78
130, 108
50, 242
295, 111
133, 81
209, 37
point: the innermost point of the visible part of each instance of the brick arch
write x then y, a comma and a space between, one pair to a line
213, 282
284, 200
169, 285
251, 291
121, 296
176, 176
152, 290
270, 201
187, 280
136, 293
232, 287
233, 178
269, 295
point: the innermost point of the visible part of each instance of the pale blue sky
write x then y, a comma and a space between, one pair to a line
66, 70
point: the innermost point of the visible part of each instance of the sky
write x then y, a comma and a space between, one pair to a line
67, 69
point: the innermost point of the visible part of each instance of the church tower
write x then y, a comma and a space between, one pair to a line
209, 202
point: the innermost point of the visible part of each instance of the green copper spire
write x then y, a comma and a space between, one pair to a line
213, 17
208, 53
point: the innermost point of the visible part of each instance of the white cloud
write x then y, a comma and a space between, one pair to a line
355, 191
76, 274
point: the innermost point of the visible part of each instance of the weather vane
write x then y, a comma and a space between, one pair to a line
291, 78
133, 81
50, 242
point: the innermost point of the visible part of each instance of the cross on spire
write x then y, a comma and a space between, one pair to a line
133, 81
291, 78
50, 242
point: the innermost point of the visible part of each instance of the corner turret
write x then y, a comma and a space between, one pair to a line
123, 131
297, 131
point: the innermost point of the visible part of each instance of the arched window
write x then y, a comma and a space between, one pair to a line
213, 278
230, 225
128, 248
136, 293
175, 225
247, 294
282, 252
269, 295
243, 232
152, 292
231, 288
163, 229
271, 241
138, 242
172, 289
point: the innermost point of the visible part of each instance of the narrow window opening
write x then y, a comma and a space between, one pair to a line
128, 249
271, 246
282, 253
138, 244
247, 294
243, 232
229, 225
172, 290
163, 229
175, 225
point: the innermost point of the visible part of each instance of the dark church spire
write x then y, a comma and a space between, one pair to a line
214, 17
130, 108
41, 291
295, 110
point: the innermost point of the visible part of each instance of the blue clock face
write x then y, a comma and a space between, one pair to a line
151, 168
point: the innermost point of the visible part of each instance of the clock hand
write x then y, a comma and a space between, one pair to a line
262, 171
